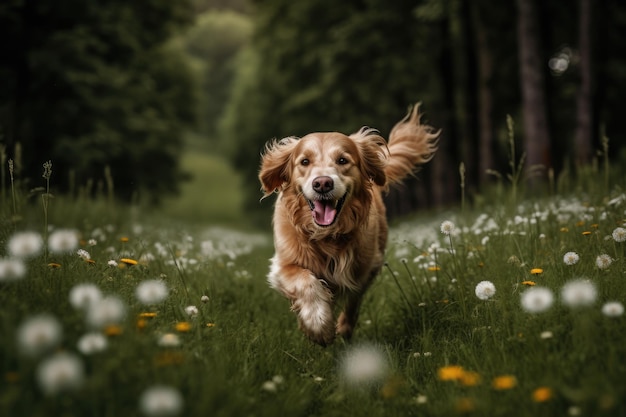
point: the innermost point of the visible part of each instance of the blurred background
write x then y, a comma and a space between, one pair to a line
169, 103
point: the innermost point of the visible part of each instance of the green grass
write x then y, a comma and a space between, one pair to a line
243, 354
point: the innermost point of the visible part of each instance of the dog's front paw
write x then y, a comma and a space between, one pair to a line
316, 320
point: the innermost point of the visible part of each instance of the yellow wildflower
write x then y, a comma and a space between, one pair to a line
450, 373
470, 378
586, 233
434, 268
210, 325
113, 330
504, 382
529, 283
124, 239
183, 326
128, 261
536, 271
54, 265
542, 394
147, 315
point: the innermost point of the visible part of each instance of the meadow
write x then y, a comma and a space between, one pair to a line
499, 309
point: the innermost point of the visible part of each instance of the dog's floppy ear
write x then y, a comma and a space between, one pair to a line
275, 170
373, 156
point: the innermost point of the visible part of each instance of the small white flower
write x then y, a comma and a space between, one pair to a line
192, 311
63, 241
161, 401
537, 299
547, 334
92, 343
39, 334
112, 263
106, 311
83, 254
421, 399
92, 242
363, 365
613, 309
579, 293
12, 269
61, 372
447, 227
571, 258
619, 234
25, 244
204, 299
151, 291
169, 340
604, 261
269, 386
84, 295
485, 290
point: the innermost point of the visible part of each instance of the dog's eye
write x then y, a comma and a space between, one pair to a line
342, 161
304, 162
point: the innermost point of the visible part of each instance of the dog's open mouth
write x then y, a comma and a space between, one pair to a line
325, 211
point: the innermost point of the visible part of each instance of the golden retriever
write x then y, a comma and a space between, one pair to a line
330, 227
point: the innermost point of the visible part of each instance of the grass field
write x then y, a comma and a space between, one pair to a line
507, 310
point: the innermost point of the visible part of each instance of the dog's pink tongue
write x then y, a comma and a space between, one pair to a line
324, 213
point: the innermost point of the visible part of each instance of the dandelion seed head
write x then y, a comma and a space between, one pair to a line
107, 311
571, 258
83, 254
39, 334
485, 290
169, 340
579, 293
447, 227
59, 373
91, 343
63, 241
25, 244
12, 269
363, 365
192, 311
84, 295
161, 401
152, 291
619, 234
603, 261
613, 309
537, 299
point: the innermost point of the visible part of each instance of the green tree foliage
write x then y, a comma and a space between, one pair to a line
90, 85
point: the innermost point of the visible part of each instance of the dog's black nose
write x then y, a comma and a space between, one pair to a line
323, 184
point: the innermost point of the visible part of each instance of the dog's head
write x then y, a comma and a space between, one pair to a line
328, 173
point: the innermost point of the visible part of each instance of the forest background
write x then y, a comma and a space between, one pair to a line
116, 92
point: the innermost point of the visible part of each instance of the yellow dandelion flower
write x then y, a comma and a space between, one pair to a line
586, 233
481, 264
147, 315
595, 226
183, 326
210, 325
529, 283
564, 229
536, 271
90, 261
450, 373
124, 239
141, 324
113, 330
54, 265
434, 268
542, 394
504, 382
128, 261
581, 223
470, 378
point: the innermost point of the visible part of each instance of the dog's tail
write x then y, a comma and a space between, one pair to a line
411, 144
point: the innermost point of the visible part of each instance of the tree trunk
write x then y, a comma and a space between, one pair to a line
535, 122
485, 96
584, 117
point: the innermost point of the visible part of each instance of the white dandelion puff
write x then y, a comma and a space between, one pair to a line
109, 310
604, 261
363, 366
447, 227
12, 269
485, 290
152, 291
161, 401
63, 241
84, 295
83, 254
613, 309
91, 343
571, 258
169, 340
619, 234
39, 334
579, 293
192, 311
61, 372
537, 299
25, 244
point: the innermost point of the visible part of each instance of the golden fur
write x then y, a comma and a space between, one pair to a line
330, 227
